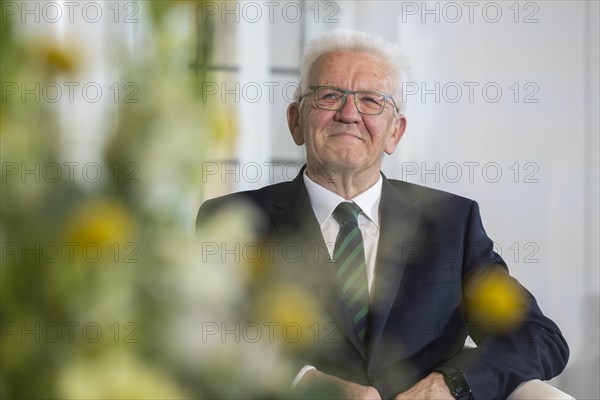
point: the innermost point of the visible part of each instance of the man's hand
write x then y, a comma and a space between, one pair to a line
349, 390
431, 387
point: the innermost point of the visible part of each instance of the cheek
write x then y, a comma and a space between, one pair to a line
315, 127
382, 130
379, 131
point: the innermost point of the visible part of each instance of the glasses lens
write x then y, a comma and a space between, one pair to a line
370, 102
329, 98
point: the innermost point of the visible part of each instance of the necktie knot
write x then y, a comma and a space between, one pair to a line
346, 212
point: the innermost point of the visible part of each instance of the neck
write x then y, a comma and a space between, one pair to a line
347, 183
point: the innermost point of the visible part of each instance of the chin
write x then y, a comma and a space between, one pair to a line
346, 163
343, 159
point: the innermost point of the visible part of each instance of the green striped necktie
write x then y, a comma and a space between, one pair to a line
351, 266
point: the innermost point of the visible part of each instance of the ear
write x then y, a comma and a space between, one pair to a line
394, 139
293, 119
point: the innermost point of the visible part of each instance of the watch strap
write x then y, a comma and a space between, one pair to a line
456, 381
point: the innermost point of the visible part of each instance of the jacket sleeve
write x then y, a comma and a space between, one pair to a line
515, 341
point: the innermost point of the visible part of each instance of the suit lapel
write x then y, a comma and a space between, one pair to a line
294, 220
399, 216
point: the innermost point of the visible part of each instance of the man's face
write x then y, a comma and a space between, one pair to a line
346, 138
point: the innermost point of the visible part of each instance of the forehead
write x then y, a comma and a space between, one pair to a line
350, 70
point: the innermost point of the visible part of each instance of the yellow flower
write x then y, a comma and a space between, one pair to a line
225, 125
61, 60
495, 297
99, 228
294, 313
56, 58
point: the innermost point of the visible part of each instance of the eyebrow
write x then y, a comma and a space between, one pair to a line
340, 87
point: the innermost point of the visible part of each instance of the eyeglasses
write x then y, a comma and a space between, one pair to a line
367, 102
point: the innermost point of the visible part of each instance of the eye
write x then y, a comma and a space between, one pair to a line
372, 99
330, 95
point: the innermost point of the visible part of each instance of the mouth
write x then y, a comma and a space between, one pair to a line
347, 135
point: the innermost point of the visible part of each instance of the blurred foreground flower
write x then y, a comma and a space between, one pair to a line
138, 326
496, 298
103, 223
59, 59
116, 375
293, 311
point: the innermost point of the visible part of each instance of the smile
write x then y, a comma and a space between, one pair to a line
347, 135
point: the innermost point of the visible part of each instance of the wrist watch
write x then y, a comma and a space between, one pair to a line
456, 381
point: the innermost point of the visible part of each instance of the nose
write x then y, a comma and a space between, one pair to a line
349, 112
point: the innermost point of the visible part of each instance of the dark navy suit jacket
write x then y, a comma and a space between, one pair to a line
431, 243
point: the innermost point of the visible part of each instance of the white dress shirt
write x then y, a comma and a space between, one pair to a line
323, 202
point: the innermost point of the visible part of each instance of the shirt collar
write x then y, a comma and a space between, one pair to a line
324, 201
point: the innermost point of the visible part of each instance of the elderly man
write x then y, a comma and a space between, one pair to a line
409, 271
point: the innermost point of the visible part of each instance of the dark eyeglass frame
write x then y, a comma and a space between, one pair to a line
385, 96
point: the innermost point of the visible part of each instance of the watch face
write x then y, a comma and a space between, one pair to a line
462, 393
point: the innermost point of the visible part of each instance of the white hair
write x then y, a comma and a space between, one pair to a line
350, 40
